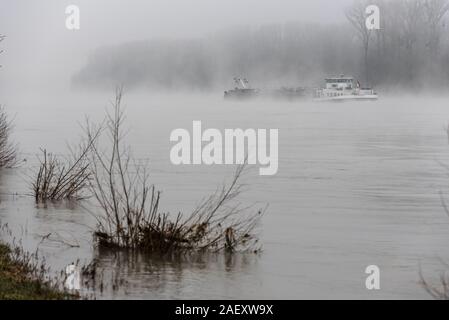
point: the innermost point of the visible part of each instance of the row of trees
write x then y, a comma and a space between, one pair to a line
410, 50
410, 44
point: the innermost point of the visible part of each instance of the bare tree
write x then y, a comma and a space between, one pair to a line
434, 11
2, 37
8, 151
357, 17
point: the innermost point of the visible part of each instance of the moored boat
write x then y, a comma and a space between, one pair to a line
242, 90
344, 89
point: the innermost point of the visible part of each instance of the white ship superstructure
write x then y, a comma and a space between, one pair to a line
344, 88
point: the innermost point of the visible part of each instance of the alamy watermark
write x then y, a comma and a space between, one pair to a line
372, 282
235, 146
72, 21
73, 278
372, 21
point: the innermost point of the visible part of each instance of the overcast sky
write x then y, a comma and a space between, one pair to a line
38, 40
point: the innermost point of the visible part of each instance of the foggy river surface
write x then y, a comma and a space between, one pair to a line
358, 184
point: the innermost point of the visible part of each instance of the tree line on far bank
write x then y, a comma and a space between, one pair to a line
410, 51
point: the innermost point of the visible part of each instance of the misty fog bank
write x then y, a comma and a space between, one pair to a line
410, 51
271, 54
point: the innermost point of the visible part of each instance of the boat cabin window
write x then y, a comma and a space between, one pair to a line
339, 81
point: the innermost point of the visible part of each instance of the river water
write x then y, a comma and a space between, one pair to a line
358, 184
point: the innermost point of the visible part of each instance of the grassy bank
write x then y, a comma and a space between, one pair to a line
18, 282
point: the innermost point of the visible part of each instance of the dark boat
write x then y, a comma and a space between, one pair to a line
241, 91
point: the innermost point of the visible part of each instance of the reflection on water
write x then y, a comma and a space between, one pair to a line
127, 274
358, 184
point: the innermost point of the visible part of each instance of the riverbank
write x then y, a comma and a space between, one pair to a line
17, 280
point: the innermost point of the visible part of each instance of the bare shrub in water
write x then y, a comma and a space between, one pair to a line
54, 182
59, 179
8, 157
8, 152
131, 217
